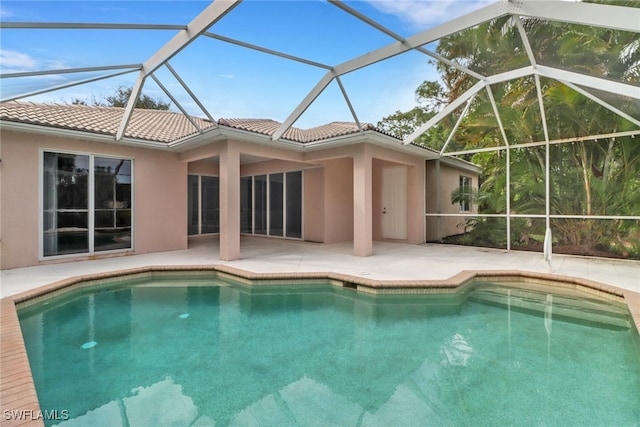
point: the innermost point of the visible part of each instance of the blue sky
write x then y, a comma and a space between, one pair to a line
230, 81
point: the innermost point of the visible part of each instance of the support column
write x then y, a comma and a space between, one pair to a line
362, 203
416, 204
438, 203
229, 203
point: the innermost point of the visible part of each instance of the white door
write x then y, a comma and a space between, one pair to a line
394, 202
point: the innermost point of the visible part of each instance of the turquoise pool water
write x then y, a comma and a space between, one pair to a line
208, 352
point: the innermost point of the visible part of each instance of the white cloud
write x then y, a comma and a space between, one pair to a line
55, 64
227, 76
5, 13
17, 60
422, 14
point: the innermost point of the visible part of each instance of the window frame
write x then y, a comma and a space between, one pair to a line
90, 204
462, 193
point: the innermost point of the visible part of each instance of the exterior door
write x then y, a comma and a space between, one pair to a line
394, 202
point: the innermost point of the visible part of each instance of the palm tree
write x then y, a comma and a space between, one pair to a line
587, 178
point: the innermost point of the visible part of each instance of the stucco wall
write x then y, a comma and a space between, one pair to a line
328, 185
314, 205
339, 197
338, 200
160, 191
378, 165
415, 193
204, 167
160, 220
271, 166
448, 182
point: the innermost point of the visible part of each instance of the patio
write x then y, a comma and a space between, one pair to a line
391, 261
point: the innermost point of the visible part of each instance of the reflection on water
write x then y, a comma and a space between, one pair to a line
141, 408
216, 354
457, 351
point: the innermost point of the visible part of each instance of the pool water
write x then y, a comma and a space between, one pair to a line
210, 352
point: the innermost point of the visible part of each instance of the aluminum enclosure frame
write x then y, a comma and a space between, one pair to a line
614, 17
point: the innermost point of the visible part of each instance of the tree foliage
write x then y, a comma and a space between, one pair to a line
599, 177
121, 97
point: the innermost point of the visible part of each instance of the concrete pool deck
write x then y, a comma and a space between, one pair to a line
391, 261
393, 265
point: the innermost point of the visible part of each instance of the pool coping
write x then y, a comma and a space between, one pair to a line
20, 406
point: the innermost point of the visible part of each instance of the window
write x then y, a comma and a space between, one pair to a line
112, 207
276, 199
259, 204
204, 204
294, 204
86, 204
246, 204
210, 204
465, 193
193, 184
272, 204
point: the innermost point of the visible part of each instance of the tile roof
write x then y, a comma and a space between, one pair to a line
269, 127
151, 125
155, 125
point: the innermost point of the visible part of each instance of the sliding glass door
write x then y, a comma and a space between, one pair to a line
203, 204
193, 203
276, 199
65, 212
246, 204
210, 203
260, 207
271, 204
86, 204
112, 207
294, 204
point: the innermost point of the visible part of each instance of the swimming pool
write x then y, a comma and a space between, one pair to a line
206, 350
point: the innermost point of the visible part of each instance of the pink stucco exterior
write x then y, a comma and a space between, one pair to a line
338, 200
341, 190
439, 186
313, 210
159, 196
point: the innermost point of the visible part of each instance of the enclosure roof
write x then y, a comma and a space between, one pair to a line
326, 54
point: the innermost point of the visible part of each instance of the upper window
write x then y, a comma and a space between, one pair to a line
86, 204
465, 193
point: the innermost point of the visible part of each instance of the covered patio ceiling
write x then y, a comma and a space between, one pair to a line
342, 58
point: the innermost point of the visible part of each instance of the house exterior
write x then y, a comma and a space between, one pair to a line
445, 176
70, 190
